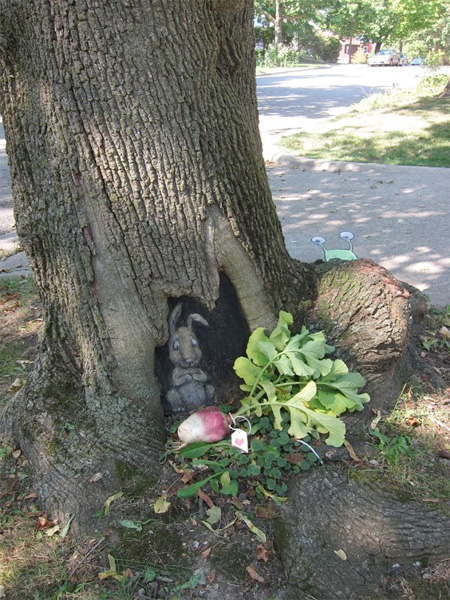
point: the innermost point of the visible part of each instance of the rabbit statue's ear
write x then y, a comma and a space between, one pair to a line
174, 318
196, 317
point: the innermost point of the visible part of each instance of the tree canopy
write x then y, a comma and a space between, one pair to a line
289, 17
379, 20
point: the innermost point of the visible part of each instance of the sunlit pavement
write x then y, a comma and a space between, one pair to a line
399, 215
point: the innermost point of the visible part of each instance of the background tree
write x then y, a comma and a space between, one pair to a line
369, 20
278, 14
433, 36
297, 24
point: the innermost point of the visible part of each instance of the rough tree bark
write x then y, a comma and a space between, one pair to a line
138, 176
138, 179
342, 537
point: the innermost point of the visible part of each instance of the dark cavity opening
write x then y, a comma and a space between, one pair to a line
195, 367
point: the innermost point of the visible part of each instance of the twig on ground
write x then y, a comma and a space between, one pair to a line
75, 569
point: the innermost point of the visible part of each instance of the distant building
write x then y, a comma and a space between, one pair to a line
348, 50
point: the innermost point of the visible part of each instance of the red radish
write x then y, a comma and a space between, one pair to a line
206, 425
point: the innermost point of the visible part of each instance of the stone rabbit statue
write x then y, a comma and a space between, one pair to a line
189, 383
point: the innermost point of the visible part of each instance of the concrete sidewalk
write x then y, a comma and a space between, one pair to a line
400, 215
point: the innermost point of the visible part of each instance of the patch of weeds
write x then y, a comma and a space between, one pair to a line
410, 448
437, 336
432, 85
20, 289
40, 561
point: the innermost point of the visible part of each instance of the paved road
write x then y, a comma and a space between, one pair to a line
399, 214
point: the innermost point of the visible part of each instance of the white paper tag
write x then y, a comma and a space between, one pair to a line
239, 439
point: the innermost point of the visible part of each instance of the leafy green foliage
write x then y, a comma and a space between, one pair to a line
392, 447
290, 374
389, 19
273, 458
295, 392
432, 85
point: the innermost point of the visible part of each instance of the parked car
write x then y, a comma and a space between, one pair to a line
385, 57
404, 62
417, 62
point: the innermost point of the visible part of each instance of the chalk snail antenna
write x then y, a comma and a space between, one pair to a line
318, 240
347, 236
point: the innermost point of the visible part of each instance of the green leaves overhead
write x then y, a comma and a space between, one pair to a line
286, 373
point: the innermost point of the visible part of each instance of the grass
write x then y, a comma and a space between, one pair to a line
413, 441
261, 70
401, 127
410, 444
21, 323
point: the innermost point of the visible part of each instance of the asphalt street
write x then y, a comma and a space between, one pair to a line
398, 214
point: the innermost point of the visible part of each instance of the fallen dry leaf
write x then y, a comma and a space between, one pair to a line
127, 573
52, 530
175, 467
254, 574
351, 451
95, 478
237, 503
16, 385
42, 521
444, 454
341, 554
161, 505
267, 511
262, 553
211, 576
374, 423
10, 483
445, 332
16, 453
110, 500
201, 494
188, 476
206, 553
31, 496
294, 459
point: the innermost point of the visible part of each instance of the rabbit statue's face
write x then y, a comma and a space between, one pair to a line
184, 348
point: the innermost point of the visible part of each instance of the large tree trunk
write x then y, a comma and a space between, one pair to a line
139, 183
278, 23
138, 177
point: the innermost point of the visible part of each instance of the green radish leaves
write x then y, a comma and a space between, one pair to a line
285, 373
